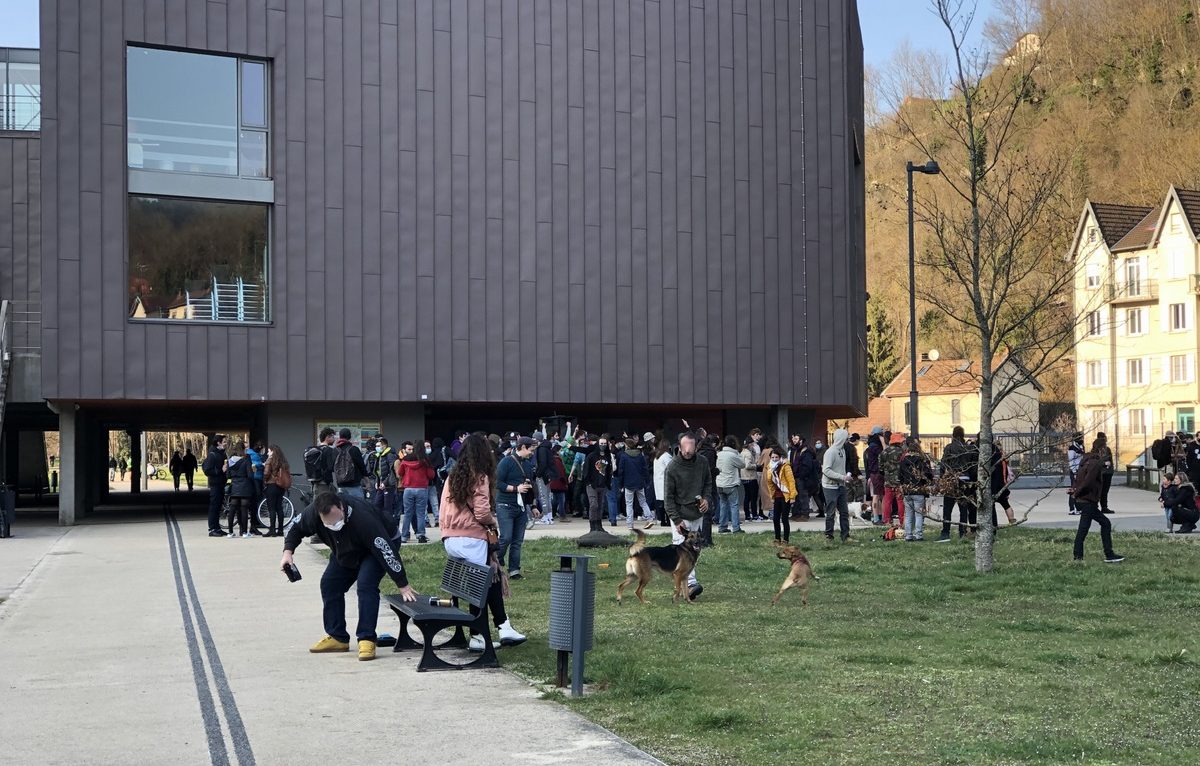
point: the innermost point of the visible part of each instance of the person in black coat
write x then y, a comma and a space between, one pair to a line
241, 490
1178, 498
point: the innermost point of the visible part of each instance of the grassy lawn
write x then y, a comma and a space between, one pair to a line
904, 654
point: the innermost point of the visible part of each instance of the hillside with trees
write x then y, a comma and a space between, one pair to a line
1110, 103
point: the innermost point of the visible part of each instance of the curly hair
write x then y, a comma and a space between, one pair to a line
475, 459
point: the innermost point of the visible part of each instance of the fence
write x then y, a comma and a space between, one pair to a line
1038, 453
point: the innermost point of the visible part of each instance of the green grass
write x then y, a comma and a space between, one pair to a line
904, 654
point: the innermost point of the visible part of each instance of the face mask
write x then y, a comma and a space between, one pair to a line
604, 448
775, 462
378, 450
336, 527
512, 444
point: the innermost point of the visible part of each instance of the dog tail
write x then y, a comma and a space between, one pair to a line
637, 547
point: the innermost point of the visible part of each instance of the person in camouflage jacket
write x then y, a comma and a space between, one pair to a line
889, 465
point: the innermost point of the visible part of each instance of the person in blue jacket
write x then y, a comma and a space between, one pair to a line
632, 477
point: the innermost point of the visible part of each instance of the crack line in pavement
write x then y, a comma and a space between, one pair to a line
237, 730
212, 726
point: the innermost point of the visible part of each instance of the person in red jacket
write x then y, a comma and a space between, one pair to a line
414, 473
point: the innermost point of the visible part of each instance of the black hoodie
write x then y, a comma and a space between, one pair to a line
364, 534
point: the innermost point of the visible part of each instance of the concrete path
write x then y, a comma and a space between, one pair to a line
147, 642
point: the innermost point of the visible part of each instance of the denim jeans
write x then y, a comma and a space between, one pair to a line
336, 580
614, 503
558, 501
544, 498
435, 500
416, 500
512, 520
678, 539
835, 502
634, 498
730, 499
356, 491
914, 517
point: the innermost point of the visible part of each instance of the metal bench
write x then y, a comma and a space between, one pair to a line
462, 580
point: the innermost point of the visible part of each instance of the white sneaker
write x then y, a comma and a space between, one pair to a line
247, 535
232, 535
509, 635
477, 643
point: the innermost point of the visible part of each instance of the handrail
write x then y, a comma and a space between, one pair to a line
5, 327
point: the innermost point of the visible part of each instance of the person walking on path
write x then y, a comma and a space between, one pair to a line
515, 496
687, 484
833, 483
361, 551
189, 467
1109, 467
1088, 486
778, 490
414, 474
466, 513
1075, 454
730, 464
214, 471
916, 475
277, 480
176, 468
122, 467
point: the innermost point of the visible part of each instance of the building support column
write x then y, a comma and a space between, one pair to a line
137, 462
72, 466
780, 424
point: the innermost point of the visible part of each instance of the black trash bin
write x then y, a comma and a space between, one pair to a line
8, 510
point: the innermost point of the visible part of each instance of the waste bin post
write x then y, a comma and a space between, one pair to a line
577, 637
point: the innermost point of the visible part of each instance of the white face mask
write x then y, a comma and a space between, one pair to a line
775, 462
336, 527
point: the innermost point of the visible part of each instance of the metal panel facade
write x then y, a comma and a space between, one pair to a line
567, 201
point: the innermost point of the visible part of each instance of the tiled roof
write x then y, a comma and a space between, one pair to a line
945, 376
1189, 200
1115, 221
1141, 235
879, 413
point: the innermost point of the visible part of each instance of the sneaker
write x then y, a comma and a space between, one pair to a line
215, 533
695, 591
509, 635
231, 535
1077, 559
739, 531
1108, 512
248, 535
404, 541
910, 539
723, 531
366, 650
329, 644
1113, 559
422, 539
476, 644
515, 575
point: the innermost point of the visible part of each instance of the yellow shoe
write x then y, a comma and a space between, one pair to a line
329, 644
366, 650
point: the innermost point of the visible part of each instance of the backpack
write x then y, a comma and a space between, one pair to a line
1161, 450
344, 471
312, 463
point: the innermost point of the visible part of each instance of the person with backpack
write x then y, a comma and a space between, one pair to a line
214, 468
277, 480
348, 466
916, 475
318, 462
371, 458
384, 495
1162, 450
414, 474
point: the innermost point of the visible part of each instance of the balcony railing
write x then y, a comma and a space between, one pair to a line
20, 90
1143, 290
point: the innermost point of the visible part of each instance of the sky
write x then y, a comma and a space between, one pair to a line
886, 24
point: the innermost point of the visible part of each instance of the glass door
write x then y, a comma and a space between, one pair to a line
1185, 419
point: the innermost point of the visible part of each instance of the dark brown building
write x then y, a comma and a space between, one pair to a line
426, 214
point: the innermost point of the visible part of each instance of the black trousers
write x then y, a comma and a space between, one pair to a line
1088, 512
750, 498
274, 495
967, 514
495, 605
780, 517
239, 508
1105, 484
216, 498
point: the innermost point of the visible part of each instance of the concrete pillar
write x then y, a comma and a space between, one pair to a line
72, 481
779, 424
137, 461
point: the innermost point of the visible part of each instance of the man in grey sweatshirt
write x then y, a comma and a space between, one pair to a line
833, 484
686, 487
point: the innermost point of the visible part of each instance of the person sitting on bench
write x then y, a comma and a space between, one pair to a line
466, 516
361, 550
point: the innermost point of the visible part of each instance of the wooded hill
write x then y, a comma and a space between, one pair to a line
1115, 96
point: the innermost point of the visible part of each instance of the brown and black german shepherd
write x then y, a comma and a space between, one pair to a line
798, 576
675, 560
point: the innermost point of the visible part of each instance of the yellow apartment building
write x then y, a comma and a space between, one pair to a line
1136, 285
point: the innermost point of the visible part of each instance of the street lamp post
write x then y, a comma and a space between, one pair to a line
929, 168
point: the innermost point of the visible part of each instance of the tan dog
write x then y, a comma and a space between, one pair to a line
799, 575
675, 560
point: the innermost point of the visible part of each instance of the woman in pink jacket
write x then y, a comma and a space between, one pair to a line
466, 516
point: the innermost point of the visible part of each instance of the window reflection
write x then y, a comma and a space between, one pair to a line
252, 153
254, 96
197, 260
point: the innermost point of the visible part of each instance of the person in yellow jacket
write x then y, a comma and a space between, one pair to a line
777, 489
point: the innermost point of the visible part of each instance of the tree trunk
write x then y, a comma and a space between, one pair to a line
985, 534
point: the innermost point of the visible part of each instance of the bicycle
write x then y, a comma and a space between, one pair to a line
287, 507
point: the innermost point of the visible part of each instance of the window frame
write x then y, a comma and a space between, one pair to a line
1092, 275
1096, 380
1095, 324
1141, 369
1138, 426
1130, 315
1186, 375
1182, 326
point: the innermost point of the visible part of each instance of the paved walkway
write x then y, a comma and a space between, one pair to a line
132, 640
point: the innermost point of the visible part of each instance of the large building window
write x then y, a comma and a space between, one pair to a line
197, 113
1182, 368
1094, 323
198, 260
